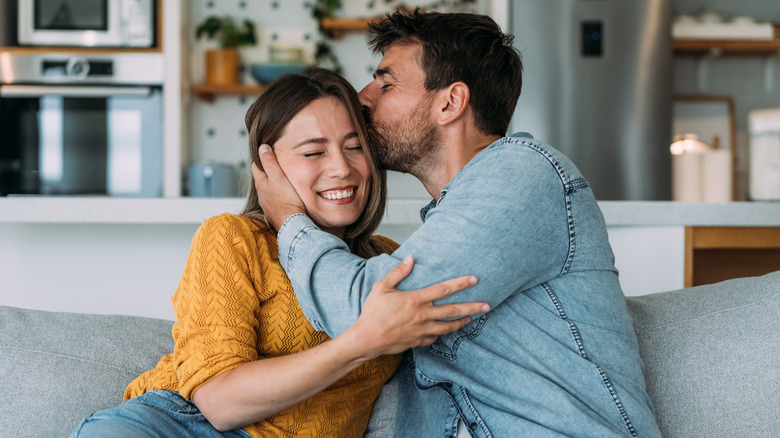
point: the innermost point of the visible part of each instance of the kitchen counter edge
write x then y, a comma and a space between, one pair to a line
111, 210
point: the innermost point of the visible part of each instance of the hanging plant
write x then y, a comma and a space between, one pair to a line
323, 54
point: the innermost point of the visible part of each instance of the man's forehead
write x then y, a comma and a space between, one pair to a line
399, 58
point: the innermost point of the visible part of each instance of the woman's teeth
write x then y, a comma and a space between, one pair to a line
338, 194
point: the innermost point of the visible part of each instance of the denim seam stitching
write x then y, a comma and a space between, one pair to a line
459, 340
616, 399
291, 255
581, 347
473, 411
572, 235
552, 160
568, 187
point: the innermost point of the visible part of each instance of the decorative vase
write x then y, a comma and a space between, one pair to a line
222, 67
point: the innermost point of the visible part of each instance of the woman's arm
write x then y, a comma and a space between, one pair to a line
390, 323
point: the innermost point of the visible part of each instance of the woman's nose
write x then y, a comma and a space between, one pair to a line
338, 166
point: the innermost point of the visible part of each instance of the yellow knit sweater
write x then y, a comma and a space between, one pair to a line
234, 304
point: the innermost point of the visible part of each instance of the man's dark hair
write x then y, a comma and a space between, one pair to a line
460, 47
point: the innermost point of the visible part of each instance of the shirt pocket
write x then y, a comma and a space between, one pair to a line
447, 345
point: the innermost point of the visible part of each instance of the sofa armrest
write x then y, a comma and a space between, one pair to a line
711, 361
57, 368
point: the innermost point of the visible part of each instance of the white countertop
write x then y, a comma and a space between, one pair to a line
108, 210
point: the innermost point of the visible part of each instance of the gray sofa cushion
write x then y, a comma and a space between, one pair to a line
711, 357
57, 368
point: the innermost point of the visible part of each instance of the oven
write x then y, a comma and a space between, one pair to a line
75, 125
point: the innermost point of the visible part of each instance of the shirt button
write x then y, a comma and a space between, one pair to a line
473, 426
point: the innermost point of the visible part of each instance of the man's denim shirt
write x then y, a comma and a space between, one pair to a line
555, 356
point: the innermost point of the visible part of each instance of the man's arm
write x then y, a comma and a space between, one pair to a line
506, 226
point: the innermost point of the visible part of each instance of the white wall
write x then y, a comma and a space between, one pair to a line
125, 269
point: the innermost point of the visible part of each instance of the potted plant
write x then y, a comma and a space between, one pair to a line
222, 65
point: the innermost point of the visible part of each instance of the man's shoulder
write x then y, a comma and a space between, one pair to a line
517, 145
520, 156
511, 157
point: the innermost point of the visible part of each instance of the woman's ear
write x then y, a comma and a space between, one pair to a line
454, 102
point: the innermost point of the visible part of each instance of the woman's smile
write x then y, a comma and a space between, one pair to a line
340, 195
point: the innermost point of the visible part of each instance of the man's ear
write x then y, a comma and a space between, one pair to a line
454, 102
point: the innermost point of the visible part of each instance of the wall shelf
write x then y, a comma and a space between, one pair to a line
339, 26
210, 92
708, 50
734, 47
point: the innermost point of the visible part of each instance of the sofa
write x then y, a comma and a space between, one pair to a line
710, 352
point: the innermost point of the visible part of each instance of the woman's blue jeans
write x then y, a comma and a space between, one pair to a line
157, 413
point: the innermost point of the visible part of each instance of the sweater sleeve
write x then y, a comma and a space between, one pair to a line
216, 304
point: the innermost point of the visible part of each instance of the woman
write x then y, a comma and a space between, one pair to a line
246, 362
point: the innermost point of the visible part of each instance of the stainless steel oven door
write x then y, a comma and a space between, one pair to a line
81, 140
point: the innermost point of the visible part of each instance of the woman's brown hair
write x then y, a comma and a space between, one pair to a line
267, 119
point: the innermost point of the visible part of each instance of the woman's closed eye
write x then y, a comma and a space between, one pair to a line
312, 154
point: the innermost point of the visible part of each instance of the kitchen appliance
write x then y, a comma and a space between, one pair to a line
206, 180
764, 125
99, 23
7, 24
597, 85
78, 125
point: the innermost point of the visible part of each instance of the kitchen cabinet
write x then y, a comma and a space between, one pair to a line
714, 254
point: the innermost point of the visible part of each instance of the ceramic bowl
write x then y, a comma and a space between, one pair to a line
266, 73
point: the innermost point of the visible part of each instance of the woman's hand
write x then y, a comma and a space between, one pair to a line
392, 321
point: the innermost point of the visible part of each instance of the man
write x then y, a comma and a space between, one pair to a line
556, 355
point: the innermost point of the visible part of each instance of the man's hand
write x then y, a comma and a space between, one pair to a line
392, 321
276, 195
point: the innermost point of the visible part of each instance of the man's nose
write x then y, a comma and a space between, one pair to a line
366, 96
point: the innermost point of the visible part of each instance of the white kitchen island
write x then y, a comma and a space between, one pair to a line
125, 255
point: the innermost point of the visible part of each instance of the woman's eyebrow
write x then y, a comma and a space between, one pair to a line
323, 140
319, 140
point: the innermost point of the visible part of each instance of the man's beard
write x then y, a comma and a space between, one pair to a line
406, 145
